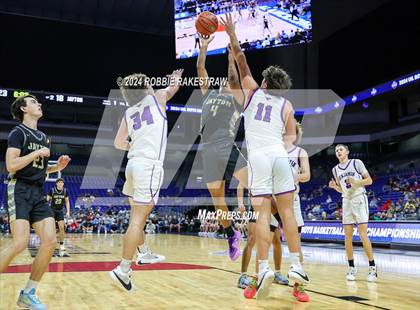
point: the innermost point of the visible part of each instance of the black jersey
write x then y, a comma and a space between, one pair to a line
265, 22
58, 198
29, 140
219, 117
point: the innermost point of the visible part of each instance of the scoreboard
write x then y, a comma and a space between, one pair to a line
8, 95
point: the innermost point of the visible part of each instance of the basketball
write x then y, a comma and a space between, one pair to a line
206, 23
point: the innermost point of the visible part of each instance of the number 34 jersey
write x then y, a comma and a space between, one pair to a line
264, 123
28, 140
147, 128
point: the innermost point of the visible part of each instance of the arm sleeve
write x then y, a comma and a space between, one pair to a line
15, 139
360, 167
67, 194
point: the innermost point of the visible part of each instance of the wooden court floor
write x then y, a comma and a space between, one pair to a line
196, 275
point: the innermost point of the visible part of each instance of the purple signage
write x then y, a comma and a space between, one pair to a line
379, 232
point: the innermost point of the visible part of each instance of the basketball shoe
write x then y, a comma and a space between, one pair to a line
265, 279
148, 257
243, 281
280, 279
30, 301
122, 279
297, 274
234, 246
372, 275
351, 274
299, 293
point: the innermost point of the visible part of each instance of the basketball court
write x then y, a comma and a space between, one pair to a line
197, 274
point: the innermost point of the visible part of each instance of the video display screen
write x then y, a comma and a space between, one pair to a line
259, 24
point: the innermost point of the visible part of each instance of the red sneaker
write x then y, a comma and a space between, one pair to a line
299, 293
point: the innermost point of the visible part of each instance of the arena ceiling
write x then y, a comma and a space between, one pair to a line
146, 16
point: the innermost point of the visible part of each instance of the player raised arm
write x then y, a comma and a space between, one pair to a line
234, 83
164, 95
247, 80
201, 63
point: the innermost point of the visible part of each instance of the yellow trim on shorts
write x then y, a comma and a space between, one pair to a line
11, 204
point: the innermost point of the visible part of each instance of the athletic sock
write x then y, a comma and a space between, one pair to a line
263, 265
125, 265
351, 262
277, 271
143, 248
229, 231
295, 258
372, 263
30, 285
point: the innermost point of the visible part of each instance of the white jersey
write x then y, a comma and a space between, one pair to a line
264, 123
294, 161
147, 129
353, 168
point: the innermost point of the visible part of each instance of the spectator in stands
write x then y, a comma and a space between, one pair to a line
174, 223
150, 228
329, 200
386, 205
373, 203
324, 216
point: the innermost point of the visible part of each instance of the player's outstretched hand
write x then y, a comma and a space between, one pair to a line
228, 23
332, 184
176, 76
63, 161
205, 40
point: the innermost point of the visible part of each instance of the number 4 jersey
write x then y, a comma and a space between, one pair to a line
147, 128
28, 140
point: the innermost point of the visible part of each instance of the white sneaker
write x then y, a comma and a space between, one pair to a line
122, 279
372, 275
265, 279
148, 258
351, 274
297, 274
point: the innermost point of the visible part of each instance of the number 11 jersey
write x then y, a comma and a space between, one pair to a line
264, 123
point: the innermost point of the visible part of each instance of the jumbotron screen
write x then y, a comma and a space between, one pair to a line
259, 24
